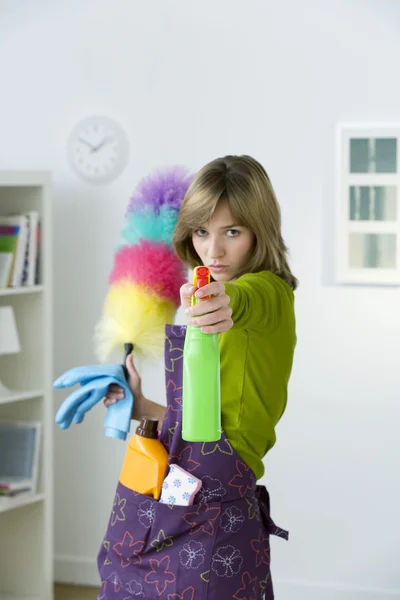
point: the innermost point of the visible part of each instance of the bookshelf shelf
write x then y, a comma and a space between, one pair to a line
34, 289
20, 598
26, 520
19, 501
19, 395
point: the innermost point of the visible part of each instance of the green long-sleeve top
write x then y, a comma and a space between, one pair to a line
256, 362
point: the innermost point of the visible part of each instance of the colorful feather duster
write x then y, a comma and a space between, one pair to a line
143, 297
146, 277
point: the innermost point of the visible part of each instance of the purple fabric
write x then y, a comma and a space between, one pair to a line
217, 549
165, 188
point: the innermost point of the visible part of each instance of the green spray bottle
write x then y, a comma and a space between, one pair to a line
201, 398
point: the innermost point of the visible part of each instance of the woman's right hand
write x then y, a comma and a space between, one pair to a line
116, 392
213, 315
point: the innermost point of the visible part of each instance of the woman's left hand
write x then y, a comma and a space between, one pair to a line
213, 315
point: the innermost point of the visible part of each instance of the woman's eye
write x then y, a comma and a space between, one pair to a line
201, 232
233, 232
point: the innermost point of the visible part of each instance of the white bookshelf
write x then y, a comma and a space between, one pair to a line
26, 521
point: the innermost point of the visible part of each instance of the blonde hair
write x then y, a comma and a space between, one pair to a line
245, 185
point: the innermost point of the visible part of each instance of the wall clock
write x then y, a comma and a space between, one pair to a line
98, 149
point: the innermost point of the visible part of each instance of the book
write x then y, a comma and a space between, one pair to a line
24, 274
20, 235
9, 486
9, 231
33, 247
16, 280
6, 261
37, 266
8, 244
18, 262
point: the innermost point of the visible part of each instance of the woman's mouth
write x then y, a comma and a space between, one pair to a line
219, 268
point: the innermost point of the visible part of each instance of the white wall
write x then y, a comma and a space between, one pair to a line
190, 81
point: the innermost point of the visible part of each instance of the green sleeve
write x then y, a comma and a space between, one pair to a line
258, 299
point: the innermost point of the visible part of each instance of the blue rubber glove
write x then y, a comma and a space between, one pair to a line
95, 381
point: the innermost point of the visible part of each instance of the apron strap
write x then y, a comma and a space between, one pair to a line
264, 503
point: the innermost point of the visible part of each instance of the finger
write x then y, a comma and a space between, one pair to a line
130, 365
67, 412
208, 306
67, 409
215, 288
116, 389
210, 318
86, 405
114, 396
71, 404
78, 418
81, 375
108, 401
218, 327
186, 292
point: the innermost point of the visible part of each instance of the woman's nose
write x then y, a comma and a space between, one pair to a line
216, 249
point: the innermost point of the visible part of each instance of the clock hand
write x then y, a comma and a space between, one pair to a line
86, 142
102, 143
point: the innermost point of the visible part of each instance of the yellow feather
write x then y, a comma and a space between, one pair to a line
133, 314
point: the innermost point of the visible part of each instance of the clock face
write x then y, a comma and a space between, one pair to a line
98, 149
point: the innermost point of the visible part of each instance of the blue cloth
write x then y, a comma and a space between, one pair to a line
94, 381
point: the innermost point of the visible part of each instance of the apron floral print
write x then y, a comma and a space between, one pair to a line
216, 549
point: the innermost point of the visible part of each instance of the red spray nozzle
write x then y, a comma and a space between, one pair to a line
201, 277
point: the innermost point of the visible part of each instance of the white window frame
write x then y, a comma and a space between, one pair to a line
344, 226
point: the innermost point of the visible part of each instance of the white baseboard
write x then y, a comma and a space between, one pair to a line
307, 590
77, 570
83, 571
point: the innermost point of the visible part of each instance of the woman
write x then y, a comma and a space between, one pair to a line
219, 547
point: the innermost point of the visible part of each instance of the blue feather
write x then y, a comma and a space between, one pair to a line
148, 225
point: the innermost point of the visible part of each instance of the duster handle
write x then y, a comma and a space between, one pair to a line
128, 349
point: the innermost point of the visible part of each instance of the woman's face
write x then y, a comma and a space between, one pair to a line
223, 245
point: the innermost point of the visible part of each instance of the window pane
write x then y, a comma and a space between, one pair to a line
359, 154
370, 250
373, 155
373, 203
386, 155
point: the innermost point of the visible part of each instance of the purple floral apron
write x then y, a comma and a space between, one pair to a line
216, 549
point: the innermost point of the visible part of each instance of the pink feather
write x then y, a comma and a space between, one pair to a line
152, 265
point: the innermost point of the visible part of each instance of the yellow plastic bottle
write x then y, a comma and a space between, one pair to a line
146, 460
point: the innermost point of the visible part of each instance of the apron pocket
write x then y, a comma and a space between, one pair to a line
155, 545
